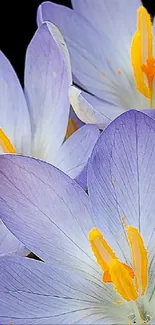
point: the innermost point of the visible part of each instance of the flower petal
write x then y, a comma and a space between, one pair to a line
62, 45
81, 179
73, 116
121, 180
97, 70
150, 112
73, 155
91, 109
111, 17
32, 292
47, 90
15, 119
9, 244
46, 210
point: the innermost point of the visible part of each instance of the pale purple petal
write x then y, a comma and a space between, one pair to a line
81, 179
32, 292
121, 180
47, 90
73, 116
9, 244
73, 155
150, 112
91, 109
95, 59
46, 210
116, 18
62, 45
14, 115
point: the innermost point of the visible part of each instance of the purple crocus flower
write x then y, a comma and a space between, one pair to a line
99, 250
111, 49
34, 122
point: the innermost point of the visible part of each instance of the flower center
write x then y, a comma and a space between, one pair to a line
5, 143
143, 62
130, 283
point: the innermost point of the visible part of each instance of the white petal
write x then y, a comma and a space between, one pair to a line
91, 109
14, 115
47, 84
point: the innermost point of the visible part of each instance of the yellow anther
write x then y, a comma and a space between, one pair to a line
139, 259
122, 281
71, 128
5, 143
129, 283
107, 275
102, 251
142, 53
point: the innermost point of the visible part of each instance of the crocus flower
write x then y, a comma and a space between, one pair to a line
98, 250
34, 122
112, 58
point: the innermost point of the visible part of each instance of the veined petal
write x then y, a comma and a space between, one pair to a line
46, 210
96, 70
81, 179
106, 14
9, 244
62, 45
15, 119
40, 293
73, 155
121, 181
150, 112
47, 84
91, 109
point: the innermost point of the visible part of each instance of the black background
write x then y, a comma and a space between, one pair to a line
18, 24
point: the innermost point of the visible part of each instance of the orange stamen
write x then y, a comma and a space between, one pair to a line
120, 274
139, 259
142, 59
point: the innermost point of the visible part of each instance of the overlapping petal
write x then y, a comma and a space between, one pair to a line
33, 292
47, 81
73, 155
100, 52
46, 210
150, 112
62, 45
121, 180
15, 121
14, 114
91, 109
9, 244
81, 179
111, 17
94, 65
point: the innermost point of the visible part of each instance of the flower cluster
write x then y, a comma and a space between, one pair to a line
77, 175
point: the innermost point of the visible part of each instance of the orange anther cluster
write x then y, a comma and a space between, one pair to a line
129, 282
149, 70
